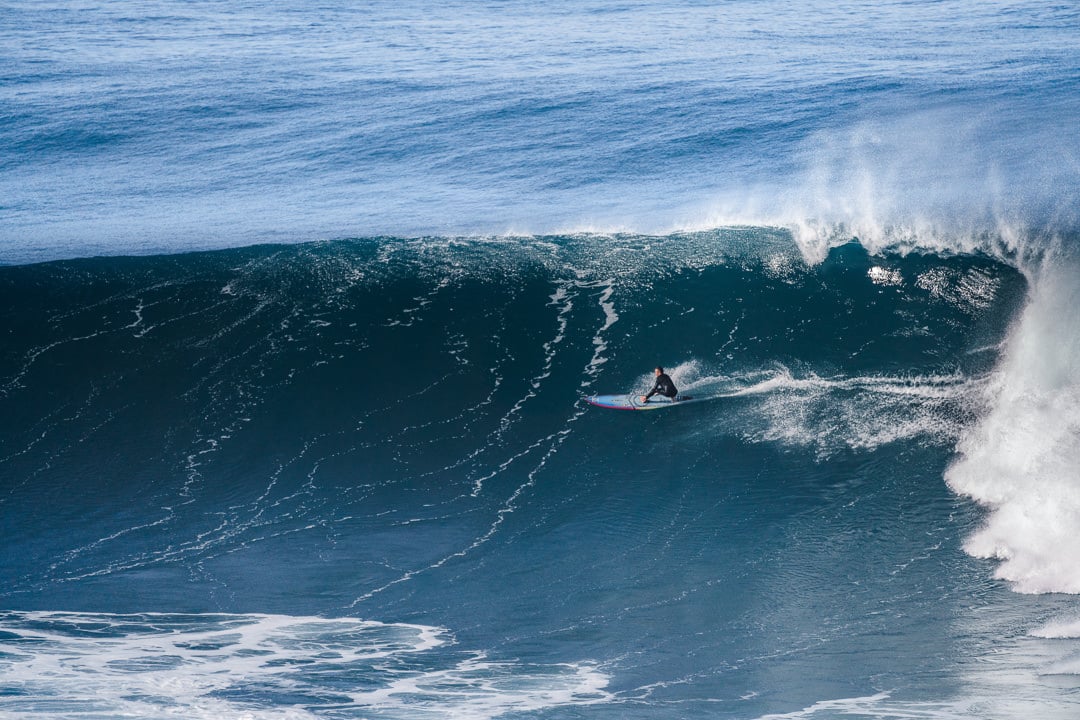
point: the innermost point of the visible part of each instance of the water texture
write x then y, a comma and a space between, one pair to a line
298, 307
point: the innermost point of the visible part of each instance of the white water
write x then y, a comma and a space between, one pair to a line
830, 414
1022, 460
77, 665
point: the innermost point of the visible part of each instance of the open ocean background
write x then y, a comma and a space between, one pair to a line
298, 303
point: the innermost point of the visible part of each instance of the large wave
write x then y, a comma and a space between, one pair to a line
996, 182
405, 416
853, 352
941, 183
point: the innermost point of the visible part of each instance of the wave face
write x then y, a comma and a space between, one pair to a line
309, 441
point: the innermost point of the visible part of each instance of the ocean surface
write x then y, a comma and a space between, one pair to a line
299, 304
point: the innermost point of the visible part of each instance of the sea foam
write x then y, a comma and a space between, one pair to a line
61, 664
1020, 460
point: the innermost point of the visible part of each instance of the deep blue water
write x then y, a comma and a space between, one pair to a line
298, 307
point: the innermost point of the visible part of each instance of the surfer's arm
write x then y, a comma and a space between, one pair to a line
655, 389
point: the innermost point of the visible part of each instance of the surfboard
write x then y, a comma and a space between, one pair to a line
633, 402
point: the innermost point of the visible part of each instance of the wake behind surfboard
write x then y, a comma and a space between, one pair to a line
633, 402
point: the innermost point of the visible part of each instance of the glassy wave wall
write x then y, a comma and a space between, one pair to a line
381, 443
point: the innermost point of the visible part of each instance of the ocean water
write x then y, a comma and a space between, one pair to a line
299, 306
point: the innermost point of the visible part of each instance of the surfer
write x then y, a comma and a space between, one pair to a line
663, 386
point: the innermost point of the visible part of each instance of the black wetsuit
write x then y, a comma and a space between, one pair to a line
664, 387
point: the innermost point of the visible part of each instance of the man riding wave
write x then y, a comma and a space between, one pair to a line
664, 386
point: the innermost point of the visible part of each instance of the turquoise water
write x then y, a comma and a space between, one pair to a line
335, 463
